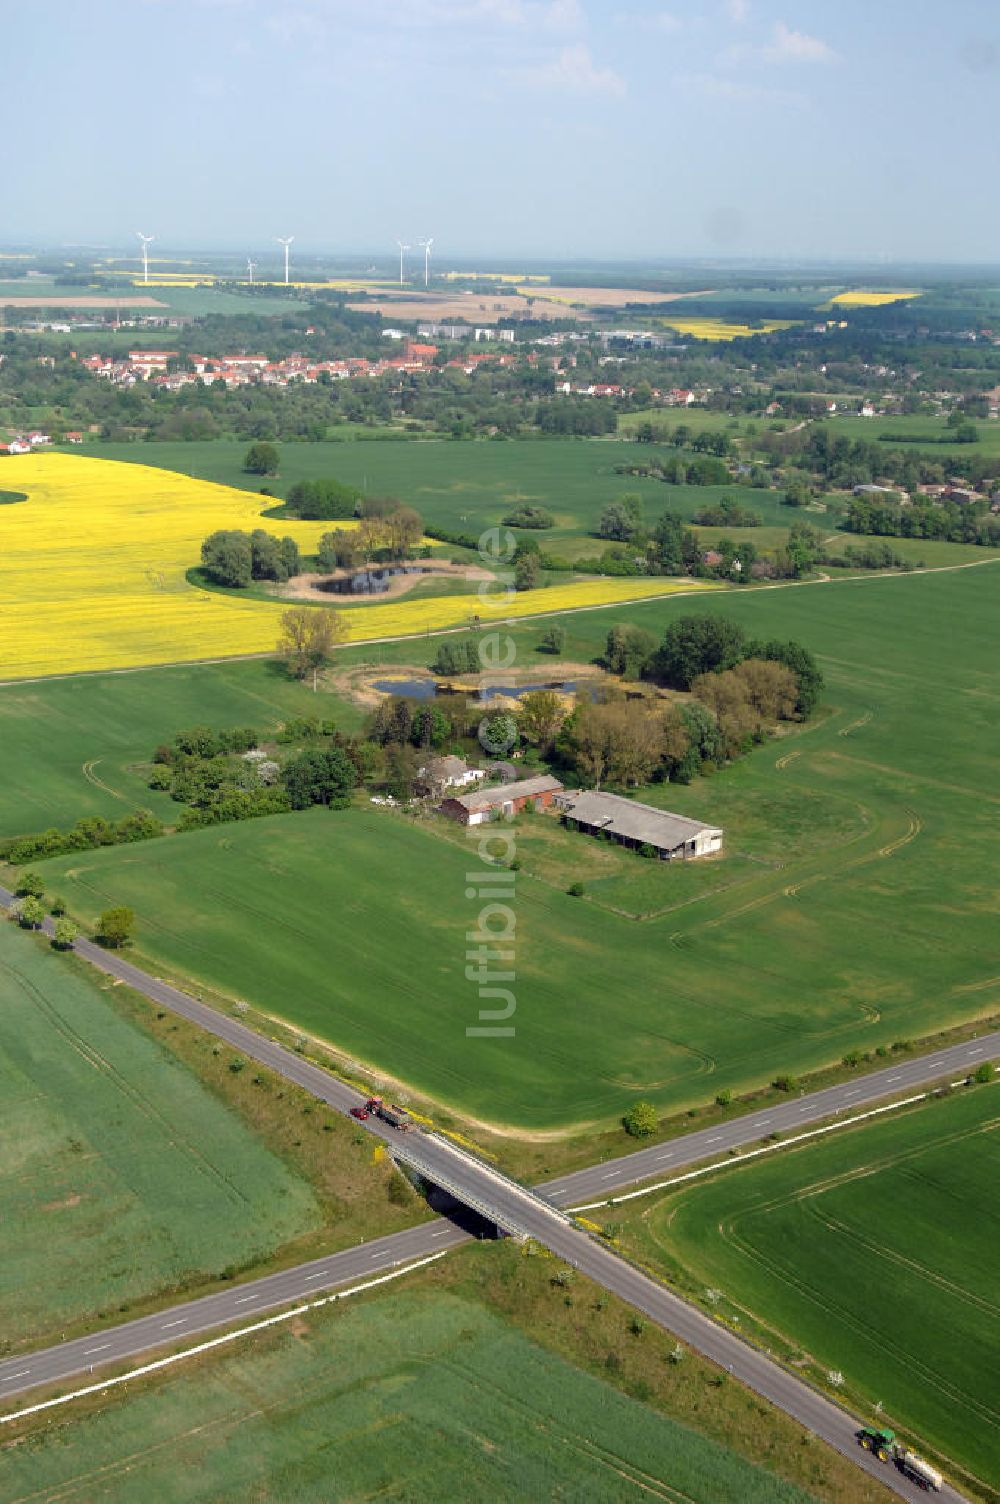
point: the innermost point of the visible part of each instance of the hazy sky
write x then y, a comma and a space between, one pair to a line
533, 127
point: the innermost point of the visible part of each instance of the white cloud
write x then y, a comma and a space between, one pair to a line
574, 71
788, 46
737, 11
737, 91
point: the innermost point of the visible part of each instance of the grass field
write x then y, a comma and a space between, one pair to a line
877, 1252
469, 485
120, 1174
414, 1396
76, 742
856, 903
93, 574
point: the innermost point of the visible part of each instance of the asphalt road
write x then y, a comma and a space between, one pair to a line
533, 1212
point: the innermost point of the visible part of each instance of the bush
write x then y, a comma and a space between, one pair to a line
576, 890
398, 1191
984, 1072
640, 1120
261, 459
723, 1098
784, 1083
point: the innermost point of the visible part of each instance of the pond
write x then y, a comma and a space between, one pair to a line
426, 689
372, 581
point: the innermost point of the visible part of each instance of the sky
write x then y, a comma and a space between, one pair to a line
504, 128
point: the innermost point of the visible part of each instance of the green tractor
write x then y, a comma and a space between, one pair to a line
882, 1443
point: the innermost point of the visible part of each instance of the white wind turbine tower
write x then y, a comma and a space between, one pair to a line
147, 241
251, 268
402, 252
425, 246
286, 242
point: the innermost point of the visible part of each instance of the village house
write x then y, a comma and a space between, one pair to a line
449, 772
670, 837
510, 799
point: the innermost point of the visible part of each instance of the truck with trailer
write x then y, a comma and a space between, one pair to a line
397, 1117
886, 1448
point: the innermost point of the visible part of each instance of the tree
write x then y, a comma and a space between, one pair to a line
694, 645
628, 650
616, 741
431, 727
227, 557
621, 519
308, 637
31, 912
640, 1120
318, 776
30, 884
542, 714
527, 572
726, 696
323, 499
115, 927
527, 515
261, 459
553, 640
403, 530
771, 688
802, 664
65, 934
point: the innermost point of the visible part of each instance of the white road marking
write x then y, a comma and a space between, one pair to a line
22, 1375
316, 1276
978, 1051
763, 1122
244, 1298
88, 1350
890, 1079
714, 1140
167, 1324
613, 1176
441, 1233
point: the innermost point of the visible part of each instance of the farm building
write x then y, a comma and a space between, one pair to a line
510, 799
448, 773
672, 837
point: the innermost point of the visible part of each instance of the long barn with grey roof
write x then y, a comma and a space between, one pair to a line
672, 837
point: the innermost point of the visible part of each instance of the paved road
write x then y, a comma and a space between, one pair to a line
513, 1204
904, 1075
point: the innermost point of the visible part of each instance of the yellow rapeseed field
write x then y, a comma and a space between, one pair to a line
859, 299
709, 328
93, 573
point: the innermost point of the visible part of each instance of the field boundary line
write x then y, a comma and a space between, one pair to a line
213, 1342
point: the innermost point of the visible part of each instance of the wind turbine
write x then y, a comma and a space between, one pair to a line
251, 267
286, 242
402, 252
425, 246
147, 241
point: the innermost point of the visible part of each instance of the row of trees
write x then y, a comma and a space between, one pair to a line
923, 518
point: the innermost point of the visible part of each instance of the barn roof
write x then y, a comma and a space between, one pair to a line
629, 818
526, 788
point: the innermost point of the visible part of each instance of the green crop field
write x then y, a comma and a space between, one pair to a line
876, 1251
75, 742
414, 1396
120, 1174
856, 904
464, 485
